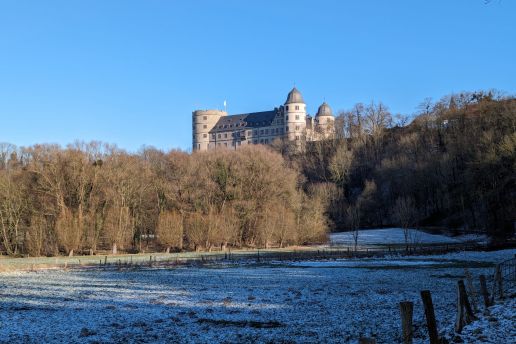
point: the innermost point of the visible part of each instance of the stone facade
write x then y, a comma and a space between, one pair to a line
214, 129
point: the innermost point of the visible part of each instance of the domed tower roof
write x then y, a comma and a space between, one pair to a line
324, 110
294, 96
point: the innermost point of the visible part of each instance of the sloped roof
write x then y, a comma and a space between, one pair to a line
324, 110
294, 96
246, 120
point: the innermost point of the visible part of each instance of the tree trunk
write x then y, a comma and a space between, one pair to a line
70, 253
168, 249
114, 249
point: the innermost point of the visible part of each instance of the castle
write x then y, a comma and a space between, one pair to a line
214, 129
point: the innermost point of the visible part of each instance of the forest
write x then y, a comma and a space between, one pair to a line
451, 166
90, 197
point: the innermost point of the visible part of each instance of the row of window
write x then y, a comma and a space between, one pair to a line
272, 131
296, 107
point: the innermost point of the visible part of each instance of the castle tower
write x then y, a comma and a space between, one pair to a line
324, 122
295, 116
202, 122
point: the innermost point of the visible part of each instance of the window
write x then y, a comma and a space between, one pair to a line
261, 140
205, 118
287, 107
261, 132
205, 135
281, 130
249, 133
297, 107
286, 117
286, 129
205, 126
219, 136
225, 135
266, 140
297, 117
225, 144
266, 131
213, 136
297, 137
255, 132
297, 127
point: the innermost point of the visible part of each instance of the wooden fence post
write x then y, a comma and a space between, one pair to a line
406, 309
497, 284
500, 282
426, 296
464, 312
471, 290
483, 290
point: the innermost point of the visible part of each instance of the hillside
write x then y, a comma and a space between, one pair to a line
453, 166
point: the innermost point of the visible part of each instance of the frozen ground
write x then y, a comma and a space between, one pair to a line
393, 236
301, 302
499, 326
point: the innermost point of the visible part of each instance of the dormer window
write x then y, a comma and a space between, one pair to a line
297, 107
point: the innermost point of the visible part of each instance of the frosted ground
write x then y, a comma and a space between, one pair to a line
301, 302
396, 236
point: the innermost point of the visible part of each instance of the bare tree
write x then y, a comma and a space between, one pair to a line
404, 213
170, 230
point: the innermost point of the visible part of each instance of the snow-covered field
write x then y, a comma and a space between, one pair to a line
299, 302
393, 236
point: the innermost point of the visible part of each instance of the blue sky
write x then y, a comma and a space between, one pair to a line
131, 72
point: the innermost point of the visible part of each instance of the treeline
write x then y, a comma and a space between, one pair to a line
90, 197
452, 166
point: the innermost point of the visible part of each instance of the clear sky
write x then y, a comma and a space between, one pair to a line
131, 72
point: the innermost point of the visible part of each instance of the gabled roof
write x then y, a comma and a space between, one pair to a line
246, 120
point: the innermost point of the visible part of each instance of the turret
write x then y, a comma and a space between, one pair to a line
295, 116
324, 121
202, 122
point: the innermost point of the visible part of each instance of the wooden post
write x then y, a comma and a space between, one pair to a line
105, 260
471, 290
500, 282
406, 309
367, 341
464, 312
483, 290
426, 296
496, 283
